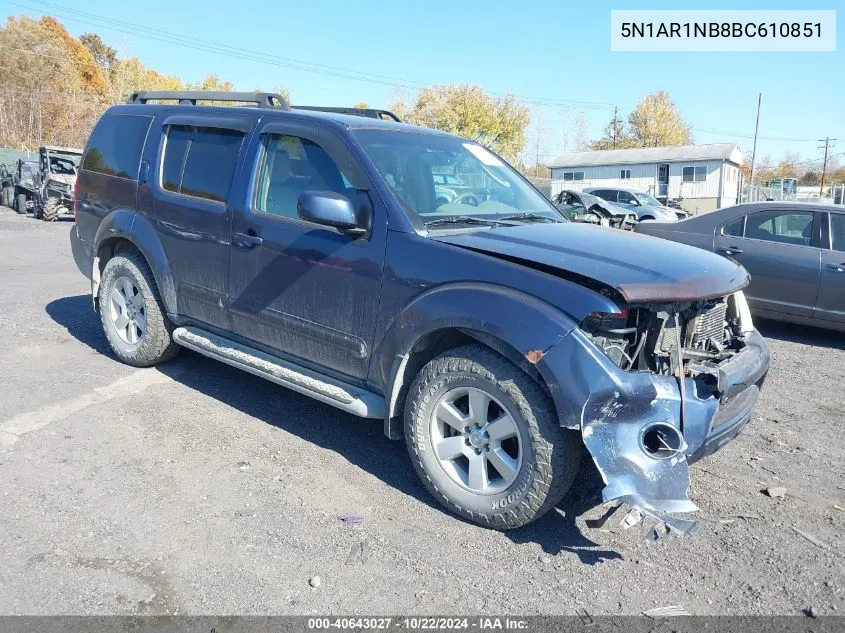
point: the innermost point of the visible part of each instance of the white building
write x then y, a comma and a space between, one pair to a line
701, 177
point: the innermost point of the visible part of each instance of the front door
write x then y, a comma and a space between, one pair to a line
831, 302
780, 249
308, 291
192, 215
662, 182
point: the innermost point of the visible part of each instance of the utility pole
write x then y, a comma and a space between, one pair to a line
754, 150
615, 123
828, 143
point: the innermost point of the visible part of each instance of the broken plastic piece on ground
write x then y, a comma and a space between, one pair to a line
666, 612
351, 519
634, 517
775, 492
657, 532
599, 523
685, 527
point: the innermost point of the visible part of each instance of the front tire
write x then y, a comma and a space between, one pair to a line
136, 326
485, 439
20, 203
50, 212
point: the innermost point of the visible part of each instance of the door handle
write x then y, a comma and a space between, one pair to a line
246, 240
840, 268
730, 250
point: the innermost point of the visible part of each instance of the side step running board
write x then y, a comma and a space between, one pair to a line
360, 402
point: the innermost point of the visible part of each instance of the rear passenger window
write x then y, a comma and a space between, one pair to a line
116, 144
200, 161
837, 231
290, 166
174, 156
787, 227
734, 227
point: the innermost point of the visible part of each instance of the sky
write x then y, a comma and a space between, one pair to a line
554, 55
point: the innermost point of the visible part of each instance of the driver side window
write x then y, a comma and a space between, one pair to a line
290, 166
626, 198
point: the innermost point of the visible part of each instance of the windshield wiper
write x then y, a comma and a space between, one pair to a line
460, 219
529, 217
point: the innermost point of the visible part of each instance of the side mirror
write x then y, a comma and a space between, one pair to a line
329, 209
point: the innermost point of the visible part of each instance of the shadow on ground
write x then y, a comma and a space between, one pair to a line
804, 334
361, 442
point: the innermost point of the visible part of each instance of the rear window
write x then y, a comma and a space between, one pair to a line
200, 161
115, 146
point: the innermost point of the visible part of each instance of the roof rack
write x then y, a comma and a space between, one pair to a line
190, 97
372, 113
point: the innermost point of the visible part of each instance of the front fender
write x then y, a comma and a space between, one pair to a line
134, 227
523, 322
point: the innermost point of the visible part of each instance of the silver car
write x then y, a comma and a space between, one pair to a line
644, 205
795, 253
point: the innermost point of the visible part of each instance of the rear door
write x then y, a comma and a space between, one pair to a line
780, 248
197, 161
308, 291
831, 302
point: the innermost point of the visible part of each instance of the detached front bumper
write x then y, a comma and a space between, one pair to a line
64, 201
616, 410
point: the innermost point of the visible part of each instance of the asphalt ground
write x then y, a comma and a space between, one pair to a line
194, 488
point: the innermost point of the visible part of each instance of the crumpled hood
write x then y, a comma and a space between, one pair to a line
640, 267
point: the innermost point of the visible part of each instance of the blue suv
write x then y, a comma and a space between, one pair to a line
310, 248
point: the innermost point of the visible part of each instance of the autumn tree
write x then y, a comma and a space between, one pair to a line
466, 110
53, 92
363, 105
654, 122
130, 75
104, 55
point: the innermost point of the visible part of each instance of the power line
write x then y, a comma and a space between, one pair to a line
194, 43
828, 143
765, 138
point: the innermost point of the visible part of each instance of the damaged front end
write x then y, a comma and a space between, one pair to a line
658, 385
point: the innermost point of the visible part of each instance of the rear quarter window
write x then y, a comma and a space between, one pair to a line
116, 144
734, 227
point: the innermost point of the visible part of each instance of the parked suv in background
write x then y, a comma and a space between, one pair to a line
644, 205
309, 248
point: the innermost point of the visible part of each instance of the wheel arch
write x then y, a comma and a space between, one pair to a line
126, 229
520, 327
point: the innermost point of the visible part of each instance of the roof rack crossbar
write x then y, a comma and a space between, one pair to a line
190, 97
373, 113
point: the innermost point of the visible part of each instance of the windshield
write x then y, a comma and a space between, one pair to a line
417, 167
64, 164
647, 200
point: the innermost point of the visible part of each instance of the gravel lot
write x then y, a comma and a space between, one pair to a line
196, 488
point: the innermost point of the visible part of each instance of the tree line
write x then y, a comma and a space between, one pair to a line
54, 87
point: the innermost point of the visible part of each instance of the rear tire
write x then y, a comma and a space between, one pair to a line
133, 317
51, 210
534, 461
20, 203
